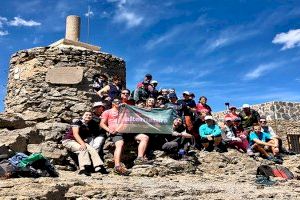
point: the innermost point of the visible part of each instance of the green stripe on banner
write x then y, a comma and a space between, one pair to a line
136, 120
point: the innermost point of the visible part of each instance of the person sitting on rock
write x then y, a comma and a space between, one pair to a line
99, 81
174, 104
268, 129
249, 117
262, 142
113, 89
232, 138
76, 140
142, 92
182, 139
109, 122
211, 135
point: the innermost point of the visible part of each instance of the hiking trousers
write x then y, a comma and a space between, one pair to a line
88, 156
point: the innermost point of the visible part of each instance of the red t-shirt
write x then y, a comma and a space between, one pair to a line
111, 116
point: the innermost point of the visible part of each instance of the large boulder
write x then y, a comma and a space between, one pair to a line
11, 121
18, 139
52, 131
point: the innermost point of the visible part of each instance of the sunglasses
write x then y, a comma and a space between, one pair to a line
126, 93
263, 121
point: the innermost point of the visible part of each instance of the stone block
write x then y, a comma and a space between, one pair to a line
64, 75
11, 121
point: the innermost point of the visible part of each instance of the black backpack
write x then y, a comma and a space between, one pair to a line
276, 171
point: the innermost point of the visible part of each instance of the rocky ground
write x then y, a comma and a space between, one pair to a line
211, 175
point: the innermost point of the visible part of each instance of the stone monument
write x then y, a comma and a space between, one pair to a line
54, 83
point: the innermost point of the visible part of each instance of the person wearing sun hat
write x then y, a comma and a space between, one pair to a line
211, 134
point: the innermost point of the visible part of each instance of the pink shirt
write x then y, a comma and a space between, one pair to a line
200, 107
111, 116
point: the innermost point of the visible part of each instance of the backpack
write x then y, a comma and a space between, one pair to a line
276, 171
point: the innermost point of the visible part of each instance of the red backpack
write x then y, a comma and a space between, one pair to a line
276, 171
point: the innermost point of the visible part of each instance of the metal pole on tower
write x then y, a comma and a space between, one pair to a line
88, 24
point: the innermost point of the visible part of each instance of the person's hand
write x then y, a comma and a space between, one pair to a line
112, 132
82, 147
209, 138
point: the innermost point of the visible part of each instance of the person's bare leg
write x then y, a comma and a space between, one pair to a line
260, 149
118, 152
143, 143
217, 141
274, 150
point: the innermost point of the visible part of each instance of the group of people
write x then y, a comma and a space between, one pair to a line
194, 126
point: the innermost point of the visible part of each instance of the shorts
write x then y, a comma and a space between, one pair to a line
120, 136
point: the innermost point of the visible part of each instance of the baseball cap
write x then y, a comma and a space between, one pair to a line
98, 104
148, 75
186, 92
154, 82
232, 107
116, 101
208, 117
246, 105
160, 97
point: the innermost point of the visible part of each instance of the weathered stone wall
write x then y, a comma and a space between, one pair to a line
36, 100
272, 110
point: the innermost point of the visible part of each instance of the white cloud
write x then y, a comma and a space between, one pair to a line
259, 71
2, 33
289, 40
2, 21
89, 14
131, 19
18, 21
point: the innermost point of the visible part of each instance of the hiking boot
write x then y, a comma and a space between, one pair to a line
101, 169
142, 161
85, 172
275, 160
121, 170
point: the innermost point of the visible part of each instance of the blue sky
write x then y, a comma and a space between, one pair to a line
235, 51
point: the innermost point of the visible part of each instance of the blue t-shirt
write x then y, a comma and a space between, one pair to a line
264, 137
206, 130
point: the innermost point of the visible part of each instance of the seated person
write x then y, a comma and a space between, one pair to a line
231, 138
263, 142
113, 90
210, 134
125, 97
202, 105
268, 129
232, 113
109, 122
180, 139
75, 141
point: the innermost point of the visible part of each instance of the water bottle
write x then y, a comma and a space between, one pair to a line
181, 153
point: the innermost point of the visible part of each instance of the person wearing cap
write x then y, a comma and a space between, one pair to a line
98, 140
109, 122
113, 89
164, 92
75, 141
211, 134
161, 101
188, 109
202, 105
249, 117
263, 143
231, 138
147, 79
154, 92
232, 113
99, 81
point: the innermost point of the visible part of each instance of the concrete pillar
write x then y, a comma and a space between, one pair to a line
73, 28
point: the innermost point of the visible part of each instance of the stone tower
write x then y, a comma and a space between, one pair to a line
54, 83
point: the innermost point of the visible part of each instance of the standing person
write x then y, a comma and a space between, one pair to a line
211, 134
75, 141
249, 117
232, 113
202, 105
154, 92
174, 104
109, 122
188, 108
113, 89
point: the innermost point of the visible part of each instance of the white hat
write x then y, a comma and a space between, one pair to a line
246, 105
208, 117
186, 92
97, 104
153, 82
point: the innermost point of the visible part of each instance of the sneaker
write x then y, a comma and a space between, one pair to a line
121, 170
85, 172
262, 180
275, 160
250, 152
142, 161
